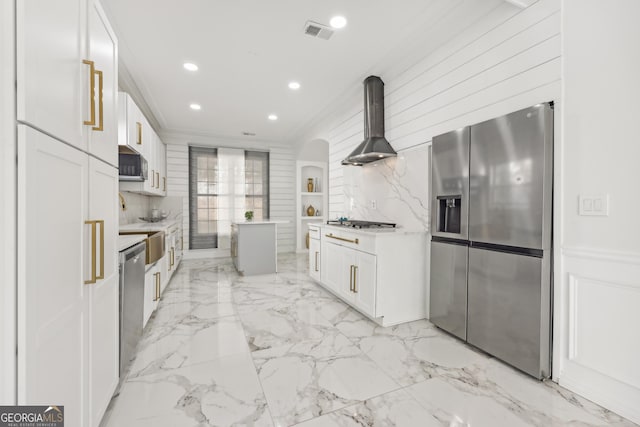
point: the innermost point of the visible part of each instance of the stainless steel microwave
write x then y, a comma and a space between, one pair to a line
133, 167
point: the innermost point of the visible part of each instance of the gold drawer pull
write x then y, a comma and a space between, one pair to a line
100, 126
139, 129
92, 74
355, 279
356, 241
93, 225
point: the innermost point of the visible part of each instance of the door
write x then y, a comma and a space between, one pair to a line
506, 309
510, 179
49, 70
52, 208
104, 294
314, 259
450, 184
364, 282
103, 137
448, 295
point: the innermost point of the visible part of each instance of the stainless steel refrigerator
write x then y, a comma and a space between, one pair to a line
491, 245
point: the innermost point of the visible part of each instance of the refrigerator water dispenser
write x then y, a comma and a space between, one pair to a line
449, 214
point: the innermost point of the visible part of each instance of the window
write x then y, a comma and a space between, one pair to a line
223, 184
203, 197
257, 183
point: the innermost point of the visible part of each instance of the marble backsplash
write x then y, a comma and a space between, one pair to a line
392, 190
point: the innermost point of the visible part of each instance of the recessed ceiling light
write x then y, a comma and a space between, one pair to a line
190, 66
294, 85
272, 117
338, 22
195, 106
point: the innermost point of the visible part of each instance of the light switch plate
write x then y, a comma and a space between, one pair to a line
593, 205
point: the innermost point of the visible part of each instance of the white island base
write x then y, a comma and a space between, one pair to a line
254, 246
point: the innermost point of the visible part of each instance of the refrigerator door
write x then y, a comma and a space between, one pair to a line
511, 179
509, 308
448, 295
450, 184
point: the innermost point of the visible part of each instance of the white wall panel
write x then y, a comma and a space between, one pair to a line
599, 300
507, 60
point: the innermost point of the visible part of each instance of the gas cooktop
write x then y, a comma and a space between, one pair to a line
361, 224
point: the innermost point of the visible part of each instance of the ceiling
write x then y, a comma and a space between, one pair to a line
249, 50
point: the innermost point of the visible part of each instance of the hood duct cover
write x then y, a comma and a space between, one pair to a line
375, 146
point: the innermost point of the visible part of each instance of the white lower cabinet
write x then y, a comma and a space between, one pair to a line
52, 338
381, 274
152, 285
104, 321
68, 278
314, 259
352, 275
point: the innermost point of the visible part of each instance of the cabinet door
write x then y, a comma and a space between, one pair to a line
153, 183
161, 156
332, 271
150, 293
50, 72
104, 306
314, 259
52, 208
103, 137
364, 283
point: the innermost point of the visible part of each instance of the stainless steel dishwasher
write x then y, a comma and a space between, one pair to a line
132, 269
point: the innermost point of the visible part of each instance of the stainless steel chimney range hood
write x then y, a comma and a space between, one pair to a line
375, 146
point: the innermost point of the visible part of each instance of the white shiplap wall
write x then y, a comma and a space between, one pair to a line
281, 178
509, 59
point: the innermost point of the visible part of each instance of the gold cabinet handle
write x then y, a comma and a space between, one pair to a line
157, 279
355, 279
173, 256
356, 241
92, 74
158, 180
101, 223
100, 126
139, 133
351, 278
316, 260
93, 225
164, 183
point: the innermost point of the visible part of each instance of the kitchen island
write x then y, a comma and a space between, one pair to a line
254, 246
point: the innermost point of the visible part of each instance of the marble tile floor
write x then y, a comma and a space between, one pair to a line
278, 350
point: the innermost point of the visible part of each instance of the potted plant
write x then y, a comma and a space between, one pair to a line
248, 215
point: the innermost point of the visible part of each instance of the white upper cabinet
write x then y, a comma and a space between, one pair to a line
67, 74
103, 51
51, 75
136, 134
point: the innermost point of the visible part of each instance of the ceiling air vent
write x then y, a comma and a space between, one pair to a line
320, 31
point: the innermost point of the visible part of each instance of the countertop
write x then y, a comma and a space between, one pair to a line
369, 231
266, 221
125, 242
149, 226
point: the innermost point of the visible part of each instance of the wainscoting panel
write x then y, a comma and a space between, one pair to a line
599, 315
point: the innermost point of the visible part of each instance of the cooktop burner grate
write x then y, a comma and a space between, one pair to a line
361, 224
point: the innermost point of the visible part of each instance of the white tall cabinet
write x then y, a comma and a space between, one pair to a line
68, 334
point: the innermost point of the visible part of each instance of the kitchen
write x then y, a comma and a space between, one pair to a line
444, 66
